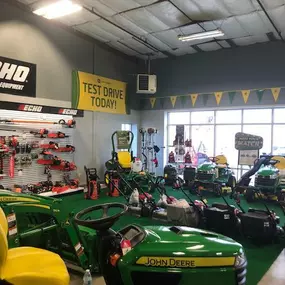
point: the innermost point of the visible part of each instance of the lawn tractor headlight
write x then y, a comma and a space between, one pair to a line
240, 260
210, 171
273, 176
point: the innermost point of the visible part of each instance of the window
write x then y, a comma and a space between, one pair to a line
279, 115
126, 127
213, 132
257, 116
228, 117
177, 118
205, 117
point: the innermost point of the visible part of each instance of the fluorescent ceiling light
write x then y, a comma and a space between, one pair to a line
58, 9
203, 35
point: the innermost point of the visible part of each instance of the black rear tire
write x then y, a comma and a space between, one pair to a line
232, 182
249, 195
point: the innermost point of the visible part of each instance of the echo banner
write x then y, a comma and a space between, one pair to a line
96, 93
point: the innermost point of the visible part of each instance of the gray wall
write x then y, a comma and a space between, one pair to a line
57, 52
257, 66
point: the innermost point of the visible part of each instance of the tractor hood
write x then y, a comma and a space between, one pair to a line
267, 171
206, 166
186, 242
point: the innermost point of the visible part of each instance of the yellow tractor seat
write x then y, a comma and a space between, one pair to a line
29, 265
124, 159
221, 159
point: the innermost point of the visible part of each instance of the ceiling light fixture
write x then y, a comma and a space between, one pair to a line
203, 35
58, 9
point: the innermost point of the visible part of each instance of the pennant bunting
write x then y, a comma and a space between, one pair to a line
232, 95
183, 100
161, 100
275, 93
173, 100
205, 99
152, 101
245, 95
259, 94
218, 96
193, 98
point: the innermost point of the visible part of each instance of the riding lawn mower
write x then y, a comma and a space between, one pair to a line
213, 175
134, 255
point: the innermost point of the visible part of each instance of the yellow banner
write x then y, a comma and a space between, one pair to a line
152, 101
193, 98
185, 262
245, 95
275, 93
173, 100
96, 93
218, 96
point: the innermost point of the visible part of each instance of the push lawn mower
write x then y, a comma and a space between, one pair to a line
93, 185
259, 225
139, 255
221, 217
215, 175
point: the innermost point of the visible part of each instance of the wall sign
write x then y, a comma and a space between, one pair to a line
96, 93
17, 77
247, 157
248, 142
40, 109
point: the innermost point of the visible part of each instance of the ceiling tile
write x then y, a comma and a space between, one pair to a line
190, 29
168, 14
128, 25
239, 7
138, 46
120, 5
253, 23
96, 32
278, 17
224, 44
145, 2
158, 55
111, 29
231, 28
99, 7
122, 48
270, 4
250, 40
78, 18
157, 43
27, 2
145, 20
209, 46
182, 51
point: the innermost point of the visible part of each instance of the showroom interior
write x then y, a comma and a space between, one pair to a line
141, 141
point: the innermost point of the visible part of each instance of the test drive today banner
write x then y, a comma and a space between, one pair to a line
96, 93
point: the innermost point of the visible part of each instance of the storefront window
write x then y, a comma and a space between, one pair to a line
279, 115
228, 117
179, 118
205, 117
257, 116
278, 147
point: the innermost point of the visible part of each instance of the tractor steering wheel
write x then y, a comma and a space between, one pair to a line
103, 223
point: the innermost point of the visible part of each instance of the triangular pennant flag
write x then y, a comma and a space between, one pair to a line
232, 95
161, 102
259, 94
218, 96
193, 98
205, 99
173, 100
183, 100
245, 95
152, 101
275, 93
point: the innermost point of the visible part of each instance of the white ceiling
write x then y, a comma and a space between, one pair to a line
151, 27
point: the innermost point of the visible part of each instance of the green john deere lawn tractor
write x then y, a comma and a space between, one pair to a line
132, 256
269, 182
215, 175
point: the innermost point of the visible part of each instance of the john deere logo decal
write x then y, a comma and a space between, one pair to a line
185, 262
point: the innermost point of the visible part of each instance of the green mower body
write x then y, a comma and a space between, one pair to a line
173, 255
213, 177
182, 255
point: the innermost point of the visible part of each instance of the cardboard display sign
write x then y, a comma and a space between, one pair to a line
17, 77
248, 142
247, 157
96, 93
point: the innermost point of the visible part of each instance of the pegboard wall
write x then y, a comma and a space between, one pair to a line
33, 172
